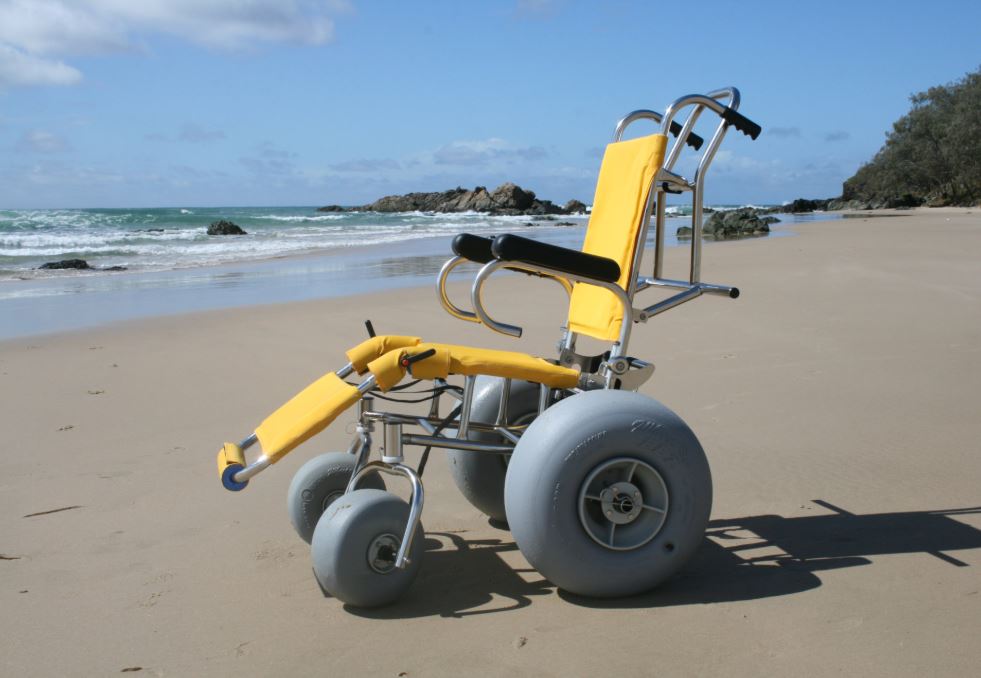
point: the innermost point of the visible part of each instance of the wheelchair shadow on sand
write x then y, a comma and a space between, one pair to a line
740, 559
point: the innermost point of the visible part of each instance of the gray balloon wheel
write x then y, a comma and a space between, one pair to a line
355, 545
480, 476
317, 484
608, 493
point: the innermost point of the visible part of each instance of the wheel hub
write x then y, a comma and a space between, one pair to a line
382, 553
330, 499
623, 503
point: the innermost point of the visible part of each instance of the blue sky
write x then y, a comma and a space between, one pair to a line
127, 103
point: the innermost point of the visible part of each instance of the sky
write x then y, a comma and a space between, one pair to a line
174, 103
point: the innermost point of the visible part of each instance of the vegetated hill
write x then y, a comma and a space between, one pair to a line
932, 155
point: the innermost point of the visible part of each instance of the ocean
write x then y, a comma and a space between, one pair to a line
172, 265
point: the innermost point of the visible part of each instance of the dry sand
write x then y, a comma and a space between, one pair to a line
837, 399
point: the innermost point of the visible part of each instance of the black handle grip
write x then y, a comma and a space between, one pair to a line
472, 247
693, 139
509, 247
741, 122
409, 360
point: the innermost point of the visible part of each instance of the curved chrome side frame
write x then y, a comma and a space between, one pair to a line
457, 312
476, 297
444, 298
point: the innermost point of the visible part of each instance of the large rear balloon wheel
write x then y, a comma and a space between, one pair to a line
608, 493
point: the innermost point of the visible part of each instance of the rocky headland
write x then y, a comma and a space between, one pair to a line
507, 200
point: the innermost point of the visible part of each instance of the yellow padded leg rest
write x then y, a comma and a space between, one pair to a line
306, 414
315, 407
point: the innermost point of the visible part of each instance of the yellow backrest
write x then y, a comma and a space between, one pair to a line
621, 195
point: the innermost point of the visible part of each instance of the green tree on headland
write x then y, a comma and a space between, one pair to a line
932, 155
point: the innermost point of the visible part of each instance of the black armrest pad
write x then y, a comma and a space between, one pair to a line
472, 247
515, 248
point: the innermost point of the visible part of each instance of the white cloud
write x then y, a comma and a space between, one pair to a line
268, 162
367, 165
18, 68
34, 32
485, 152
196, 134
39, 141
837, 135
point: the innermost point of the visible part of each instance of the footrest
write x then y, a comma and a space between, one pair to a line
231, 460
306, 414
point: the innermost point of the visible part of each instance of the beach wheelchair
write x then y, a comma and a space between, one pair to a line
606, 491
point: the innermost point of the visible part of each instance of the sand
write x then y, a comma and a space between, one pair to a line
837, 401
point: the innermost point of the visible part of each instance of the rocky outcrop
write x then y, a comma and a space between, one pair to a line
798, 206
507, 199
77, 264
740, 223
736, 224
223, 227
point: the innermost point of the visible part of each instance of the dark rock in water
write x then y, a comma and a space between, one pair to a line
149, 230
79, 264
332, 208
223, 227
565, 223
738, 223
507, 199
769, 220
114, 268
575, 207
683, 232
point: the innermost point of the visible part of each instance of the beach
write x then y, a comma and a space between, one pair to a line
836, 399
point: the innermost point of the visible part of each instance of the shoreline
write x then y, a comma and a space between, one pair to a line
70, 301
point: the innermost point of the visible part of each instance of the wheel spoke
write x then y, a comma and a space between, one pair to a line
631, 494
631, 471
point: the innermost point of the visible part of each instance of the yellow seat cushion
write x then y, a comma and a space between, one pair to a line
624, 181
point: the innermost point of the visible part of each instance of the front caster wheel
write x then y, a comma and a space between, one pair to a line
355, 545
317, 484
608, 493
